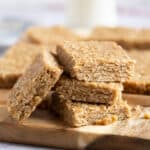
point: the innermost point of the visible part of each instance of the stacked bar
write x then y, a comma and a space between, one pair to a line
78, 114
15, 61
90, 92
139, 84
33, 86
50, 36
96, 61
128, 38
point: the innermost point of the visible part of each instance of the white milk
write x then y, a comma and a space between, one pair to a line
89, 13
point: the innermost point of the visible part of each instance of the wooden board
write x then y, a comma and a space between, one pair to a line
43, 129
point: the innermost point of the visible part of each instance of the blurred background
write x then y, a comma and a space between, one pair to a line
17, 15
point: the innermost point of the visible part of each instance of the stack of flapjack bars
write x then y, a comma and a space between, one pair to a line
80, 79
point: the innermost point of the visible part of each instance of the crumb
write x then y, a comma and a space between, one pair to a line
146, 116
106, 120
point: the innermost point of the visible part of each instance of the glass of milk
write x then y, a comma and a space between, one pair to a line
89, 13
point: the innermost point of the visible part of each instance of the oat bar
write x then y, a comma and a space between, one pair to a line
33, 86
50, 36
95, 61
78, 114
140, 83
92, 92
126, 37
14, 62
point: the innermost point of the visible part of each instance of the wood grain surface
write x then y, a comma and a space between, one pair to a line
44, 129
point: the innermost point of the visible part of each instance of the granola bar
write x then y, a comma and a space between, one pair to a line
95, 61
50, 36
140, 83
15, 61
33, 86
78, 114
126, 37
92, 92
